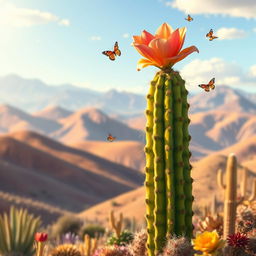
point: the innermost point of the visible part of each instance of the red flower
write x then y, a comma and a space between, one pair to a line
238, 240
41, 237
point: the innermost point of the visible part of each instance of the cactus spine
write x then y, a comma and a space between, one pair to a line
168, 181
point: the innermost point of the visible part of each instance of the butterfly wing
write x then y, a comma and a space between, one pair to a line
205, 87
110, 54
209, 34
116, 49
110, 138
190, 18
214, 37
211, 83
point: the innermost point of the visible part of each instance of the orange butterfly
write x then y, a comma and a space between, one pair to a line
208, 86
189, 18
112, 54
210, 35
110, 138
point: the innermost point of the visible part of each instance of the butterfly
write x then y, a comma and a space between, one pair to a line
189, 18
112, 54
110, 138
208, 86
210, 35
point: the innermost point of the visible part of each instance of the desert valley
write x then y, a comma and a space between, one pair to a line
56, 159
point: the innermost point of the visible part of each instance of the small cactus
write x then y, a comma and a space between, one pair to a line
179, 246
212, 223
251, 246
139, 243
113, 251
65, 250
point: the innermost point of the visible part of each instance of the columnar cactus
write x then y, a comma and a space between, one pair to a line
168, 181
230, 195
230, 201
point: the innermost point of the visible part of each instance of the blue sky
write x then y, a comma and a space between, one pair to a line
60, 41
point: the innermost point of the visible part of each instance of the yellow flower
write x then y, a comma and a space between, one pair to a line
208, 242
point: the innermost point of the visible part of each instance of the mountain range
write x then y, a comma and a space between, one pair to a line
33, 95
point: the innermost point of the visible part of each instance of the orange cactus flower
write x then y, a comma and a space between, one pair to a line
162, 49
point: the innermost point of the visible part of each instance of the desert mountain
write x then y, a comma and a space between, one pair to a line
127, 153
85, 124
93, 124
53, 113
78, 170
34, 95
223, 98
245, 150
12, 119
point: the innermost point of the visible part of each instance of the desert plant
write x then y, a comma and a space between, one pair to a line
123, 239
66, 224
168, 180
115, 224
178, 246
230, 201
92, 230
212, 223
113, 251
65, 250
89, 246
139, 243
17, 232
40, 240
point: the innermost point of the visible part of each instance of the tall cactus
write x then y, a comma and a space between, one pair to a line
167, 160
230, 195
168, 181
170, 204
230, 201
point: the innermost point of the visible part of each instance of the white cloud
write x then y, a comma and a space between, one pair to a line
126, 35
253, 71
95, 38
64, 22
234, 8
11, 15
225, 73
230, 33
254, 30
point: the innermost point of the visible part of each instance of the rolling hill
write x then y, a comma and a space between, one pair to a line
127, 153
42, 159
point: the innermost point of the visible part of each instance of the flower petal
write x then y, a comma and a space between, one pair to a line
145, 38
174, 44
160, 47
182, 36
142, 63
164, 31
148, 53
183, 54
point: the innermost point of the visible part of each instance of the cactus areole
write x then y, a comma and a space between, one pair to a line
168, 180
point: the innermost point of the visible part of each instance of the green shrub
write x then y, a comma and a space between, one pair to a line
17, 232
92, 230
125, 238
66, 224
